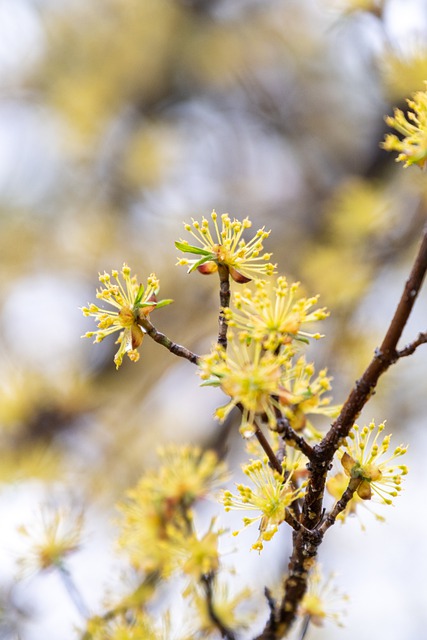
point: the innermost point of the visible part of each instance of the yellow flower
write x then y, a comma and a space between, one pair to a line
404, 71
130, 300
157, 530
187, 473
251, 377
272, 314
319, 600
413, 126
226, 247
362, 459
336, 485
54, 536
266, 385
302, 395
272, 496
193, 555
138, 626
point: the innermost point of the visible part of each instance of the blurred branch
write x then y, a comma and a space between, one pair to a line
207, 581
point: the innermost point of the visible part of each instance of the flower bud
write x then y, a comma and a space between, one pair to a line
207, 268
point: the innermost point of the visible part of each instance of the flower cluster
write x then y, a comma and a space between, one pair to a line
272, 314
130, 300
272, 497
266, 385
157, 527
362, 459
304, 395
413, 127
138, 626
141, 626
250, 376
319, 601
336, 486
226, 247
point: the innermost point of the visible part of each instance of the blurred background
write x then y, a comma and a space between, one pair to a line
119, 120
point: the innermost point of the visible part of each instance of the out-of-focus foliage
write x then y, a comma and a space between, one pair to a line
131, 116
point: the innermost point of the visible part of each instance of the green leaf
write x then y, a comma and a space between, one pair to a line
163, 303
212, 382
139, 295
189, 248
208, 258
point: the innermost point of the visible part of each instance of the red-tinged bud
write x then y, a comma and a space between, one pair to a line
348, 463
298, 421
285, 397
364, 490
143, 312
237, 276
208, 267
147, 310
137, 336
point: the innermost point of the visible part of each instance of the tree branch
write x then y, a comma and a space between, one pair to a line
274, 462
340, 505
363, 389
291, 437
307, 539
224, 299
159, 337
207, 581
410, 348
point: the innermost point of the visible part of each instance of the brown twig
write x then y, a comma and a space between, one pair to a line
363, 389
340, 505
272, 458
159, 337
410, 348
291, 437
224, 299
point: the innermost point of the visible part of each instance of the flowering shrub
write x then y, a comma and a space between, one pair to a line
258, 362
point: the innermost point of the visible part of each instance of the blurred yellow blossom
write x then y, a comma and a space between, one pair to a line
157, 528
230, 609
195, 555
413, 127
138, 626
404, 72
53, 536
320, 600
